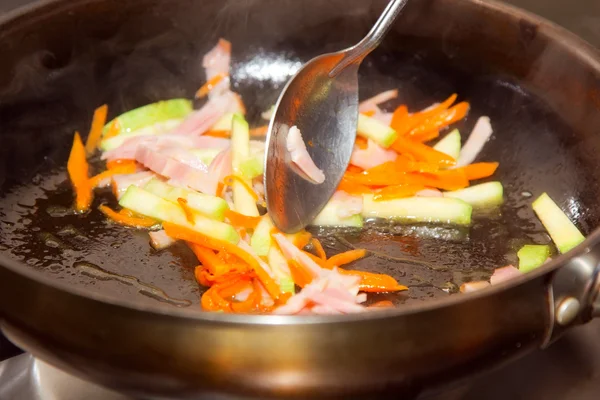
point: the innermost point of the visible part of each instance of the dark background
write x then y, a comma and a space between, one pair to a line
570, 369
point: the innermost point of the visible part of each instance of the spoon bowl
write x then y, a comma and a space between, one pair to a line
322, 101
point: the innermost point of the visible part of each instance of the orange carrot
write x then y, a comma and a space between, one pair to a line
375, 283
98, 122
189, 213
210, 85
451, 179
397, 192
78, 168
211, 301
127, 220
353, 169
426, 136
118, 169
441, 120
479, 170
353, 188
241, 220
319, 248
422, 152
407, 164
260, 131
251, 302
300, 276
301, 239
182, 233
345, 258
228, 181
209, 259
235, 288
404, 123
399, 118
361, 142
220, 134
120, 163
318, 260
113, 130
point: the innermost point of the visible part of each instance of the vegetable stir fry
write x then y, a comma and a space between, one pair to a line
195, 175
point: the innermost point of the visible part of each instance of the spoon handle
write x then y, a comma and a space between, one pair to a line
373, 38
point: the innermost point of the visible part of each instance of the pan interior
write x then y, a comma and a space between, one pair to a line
56, 85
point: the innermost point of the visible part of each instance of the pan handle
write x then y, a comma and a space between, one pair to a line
574, 293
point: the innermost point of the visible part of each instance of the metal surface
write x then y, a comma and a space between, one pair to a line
537, 82
322, 101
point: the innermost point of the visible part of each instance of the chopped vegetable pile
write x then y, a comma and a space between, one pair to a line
195, 175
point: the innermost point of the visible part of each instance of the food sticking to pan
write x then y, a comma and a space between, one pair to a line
195, 176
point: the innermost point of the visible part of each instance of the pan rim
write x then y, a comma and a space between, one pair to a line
583, 50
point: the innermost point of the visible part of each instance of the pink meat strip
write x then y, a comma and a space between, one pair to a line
160, 240
372, 103
121, 182
128, 149
477, 139
200, 121
220, 167
349, 205
504, 274
217, 60
295, 145
372, 156
161, 161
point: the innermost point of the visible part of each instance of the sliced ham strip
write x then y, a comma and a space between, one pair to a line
349, 205
384, 117
128, 149
300, 157
372, 156
220, 167
291, 252
372, 103
470, 287
160, 161
217, 60
201, 120
504, 274
478, 137
429, 192
121, 182
160, 240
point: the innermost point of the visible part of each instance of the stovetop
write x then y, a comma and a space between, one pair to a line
568, 370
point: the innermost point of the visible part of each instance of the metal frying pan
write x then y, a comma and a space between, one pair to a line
102, 305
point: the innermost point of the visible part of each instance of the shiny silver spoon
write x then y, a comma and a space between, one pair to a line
322, 101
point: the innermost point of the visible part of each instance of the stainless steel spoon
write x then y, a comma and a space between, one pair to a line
322, 101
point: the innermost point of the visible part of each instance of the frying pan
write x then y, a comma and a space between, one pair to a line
98, 302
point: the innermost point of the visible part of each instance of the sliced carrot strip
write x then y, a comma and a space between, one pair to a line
422, 152
228, 181
441, 120
235, 288
118, 169
241, 220
353, 188
210, 85
220, 134
451, 179
78, 169
397, 192
251, 302
189, 213
479, 170
260, 131
375, 283
119, 163
426, 136
361, 142
127, 220
301, 239
209, 259
113, 130
353, 169
399, 118
182, 233
404, 125
318, 260
345, 258
319, 248
211, 301
300, 276
98, 122
408, 164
